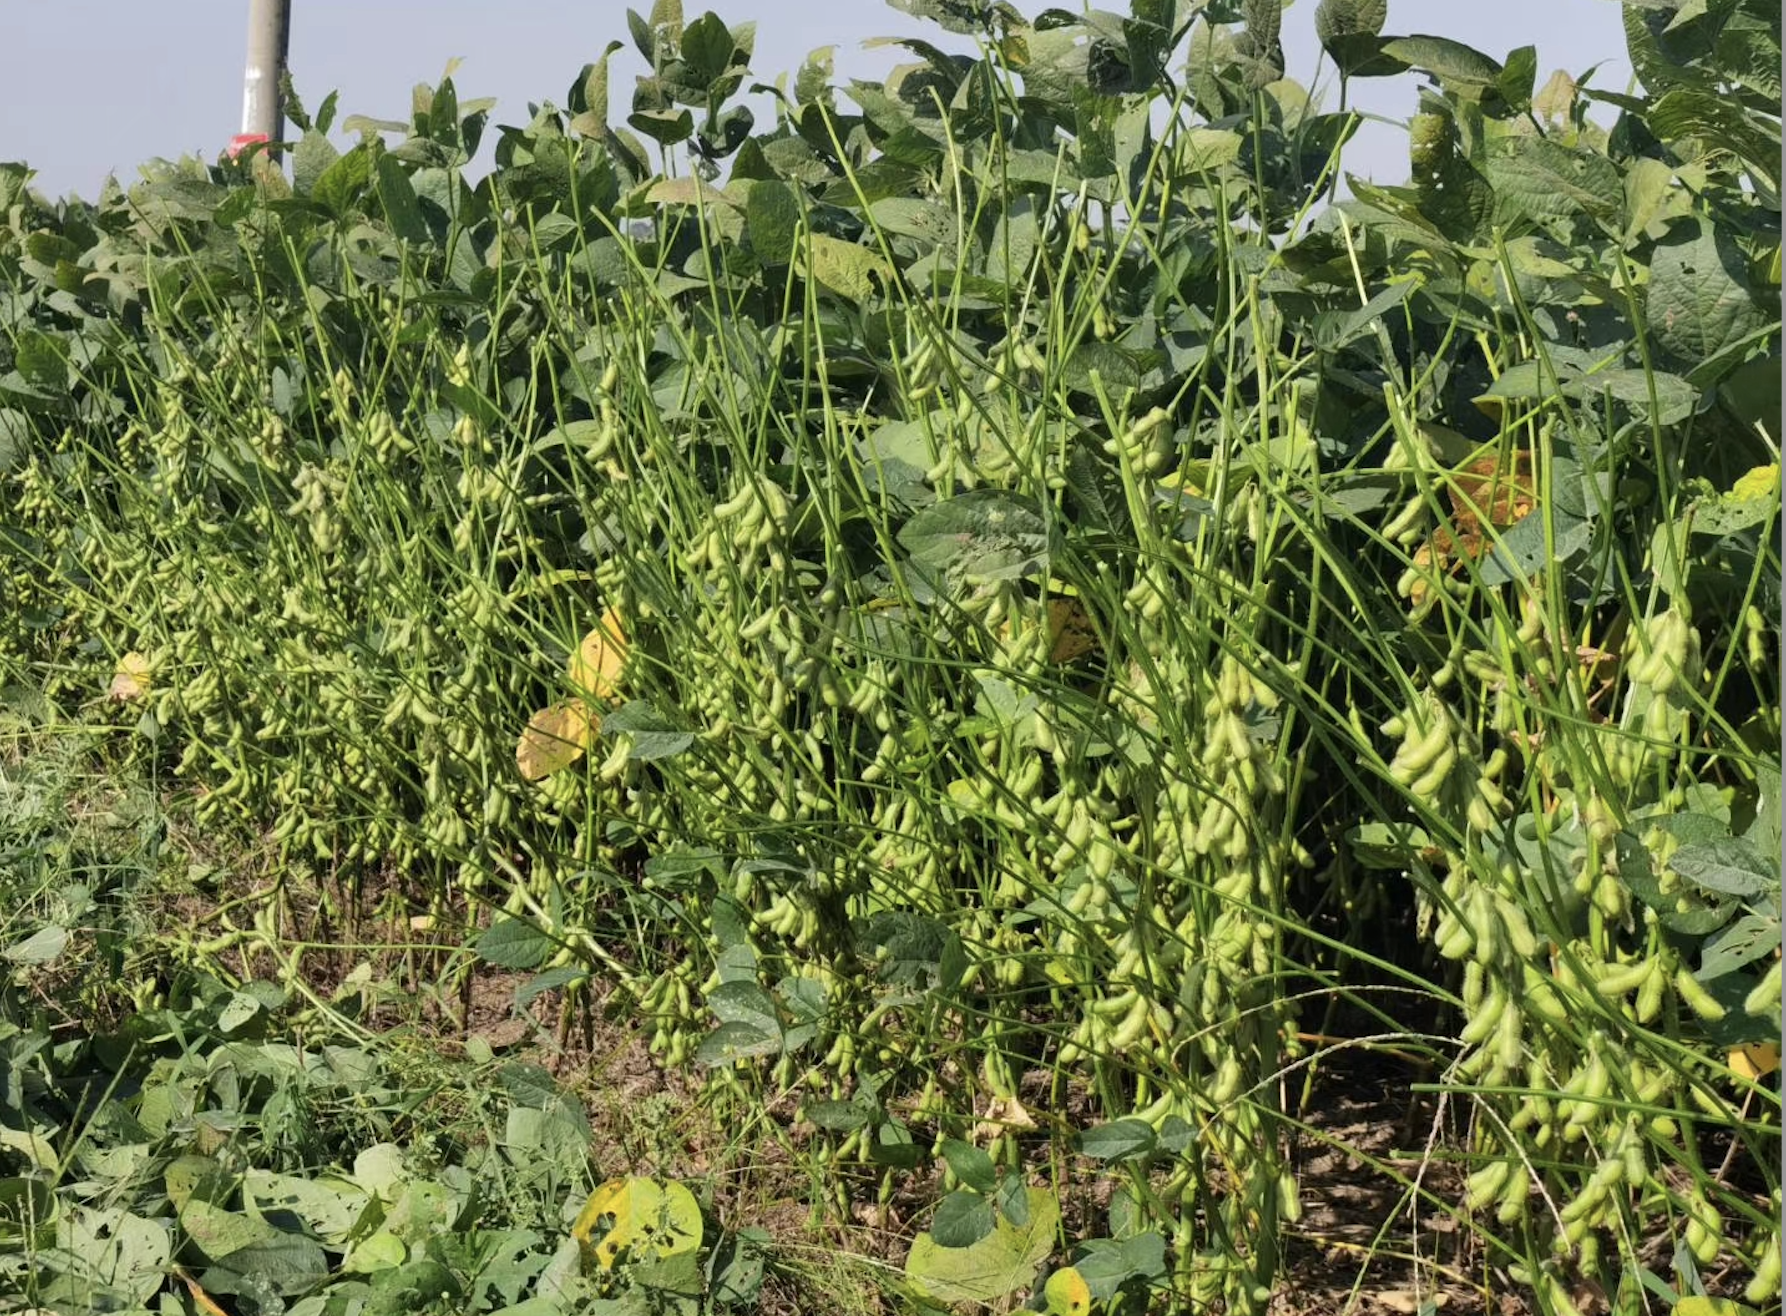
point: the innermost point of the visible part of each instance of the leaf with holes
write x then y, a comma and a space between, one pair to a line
636, 1219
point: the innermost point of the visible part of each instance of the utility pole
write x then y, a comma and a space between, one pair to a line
269, 40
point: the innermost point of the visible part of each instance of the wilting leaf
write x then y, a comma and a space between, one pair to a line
131, 678
1070, 632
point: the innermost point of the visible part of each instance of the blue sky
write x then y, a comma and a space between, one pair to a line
99, 86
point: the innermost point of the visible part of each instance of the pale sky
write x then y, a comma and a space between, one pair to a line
98, 86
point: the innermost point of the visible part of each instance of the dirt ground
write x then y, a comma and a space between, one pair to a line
1365, 1244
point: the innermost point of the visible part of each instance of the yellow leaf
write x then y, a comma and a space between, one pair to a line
600, 661
1700, 1305
556, 738
1754, 1060
130, 680
1067, 1293
636, 1219
1762, 482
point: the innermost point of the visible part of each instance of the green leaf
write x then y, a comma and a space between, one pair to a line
1452, 193
1745, 505
1747, 939
1720, 125
1513, 87
41, 947
397, 195
961, 1220
1727, 866
1526, 551
310, 159
665, 127
218, 1233
514, 943
551, 980
1338, 19
1686, 910
1012, 1197
1002, 1263
1543, 179
1698, 301
915, 218
340, 186
1120, 1140
970, 1165
983, 535
707, 49
838, 1116
737, 1041
1459, 68
43, 362
965, 17
772, 221
288, 1264
653, 735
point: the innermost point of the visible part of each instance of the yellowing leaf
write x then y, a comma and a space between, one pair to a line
1753, 486
636, 1219
1070, 632
555, 738
131, 678
1754, 1060
1067, 1293
1700, 1305
844, 267
1000, 1264
600, 661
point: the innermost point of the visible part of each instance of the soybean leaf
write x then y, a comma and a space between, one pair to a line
653, 735
1001, 1263
961, 1220
1119, 1140
982, 535
1746, 940
971, 1165
1543, 179
1728, 866
1336, 20
514, 943
1452, 193
1458, 67
397, 195
1699, 301
772, 221
736, 1041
